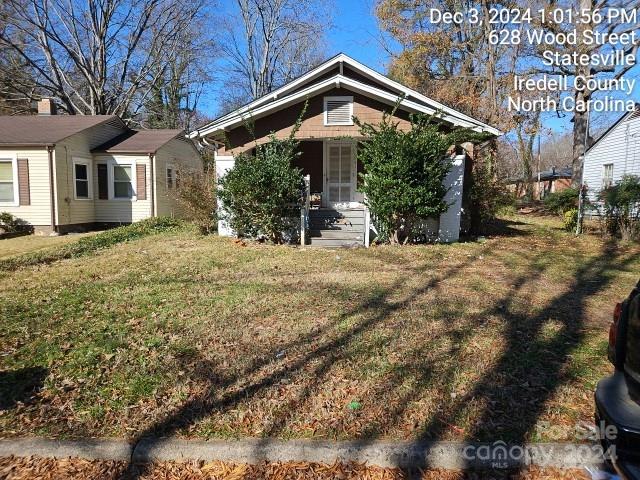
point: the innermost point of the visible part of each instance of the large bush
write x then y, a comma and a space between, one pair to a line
404, 176
562, 201
488, 196
262, 192
196, 195
621, 205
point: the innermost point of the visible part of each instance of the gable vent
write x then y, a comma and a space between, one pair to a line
635, 114
338, 110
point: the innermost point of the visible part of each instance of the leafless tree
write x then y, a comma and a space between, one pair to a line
273, 42
99, 56
580, 117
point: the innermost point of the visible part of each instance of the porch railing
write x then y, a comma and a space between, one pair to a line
304, 211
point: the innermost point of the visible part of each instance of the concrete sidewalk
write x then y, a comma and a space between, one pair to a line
446, 455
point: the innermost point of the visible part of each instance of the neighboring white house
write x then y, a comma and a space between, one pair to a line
615, 154
73, 172
334, 92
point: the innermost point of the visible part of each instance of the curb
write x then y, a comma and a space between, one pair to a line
445, 455
90, 449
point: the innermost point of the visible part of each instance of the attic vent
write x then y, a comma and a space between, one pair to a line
338, 110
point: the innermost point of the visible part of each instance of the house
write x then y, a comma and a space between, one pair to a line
546, 182
336, 91
614, 154
61, 173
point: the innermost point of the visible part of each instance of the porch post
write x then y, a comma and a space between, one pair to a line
304, 211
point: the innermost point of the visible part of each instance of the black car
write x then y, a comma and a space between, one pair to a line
618, 396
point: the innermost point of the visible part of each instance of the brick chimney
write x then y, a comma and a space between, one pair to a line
46, 106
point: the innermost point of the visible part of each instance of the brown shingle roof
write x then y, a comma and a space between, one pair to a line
45, 130
139, 141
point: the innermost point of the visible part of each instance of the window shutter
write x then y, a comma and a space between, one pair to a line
141, 181
339, 111
103, 182
24, 192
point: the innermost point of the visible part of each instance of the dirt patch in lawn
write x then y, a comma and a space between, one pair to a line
504, 338
45, 469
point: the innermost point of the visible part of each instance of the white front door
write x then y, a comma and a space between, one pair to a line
340, 174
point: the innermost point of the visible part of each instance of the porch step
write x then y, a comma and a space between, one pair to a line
337, 227
335, 242
338, 234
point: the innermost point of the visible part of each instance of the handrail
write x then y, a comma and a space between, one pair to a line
304, 210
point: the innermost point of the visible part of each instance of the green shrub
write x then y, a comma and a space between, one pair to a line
621, 205
403, 184
261, 194
90, 244
562, 201
570, 220
11, 224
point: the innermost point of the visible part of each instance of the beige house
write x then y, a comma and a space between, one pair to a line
335, 92
63, 173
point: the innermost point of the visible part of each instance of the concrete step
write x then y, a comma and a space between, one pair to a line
337, 234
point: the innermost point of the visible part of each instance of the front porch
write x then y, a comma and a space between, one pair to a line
333, 172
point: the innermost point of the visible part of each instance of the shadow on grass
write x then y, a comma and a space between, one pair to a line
20, 385
512, 394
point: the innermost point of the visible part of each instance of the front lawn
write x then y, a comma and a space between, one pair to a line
208, 337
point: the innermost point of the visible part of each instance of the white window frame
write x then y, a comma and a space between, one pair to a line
173, 177
122, 163
604, 169
338, 98
16, 194
89, 164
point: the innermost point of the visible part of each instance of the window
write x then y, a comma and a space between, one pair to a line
122, 181
8, 181
82, 179
607, 175
338, 110
170, 178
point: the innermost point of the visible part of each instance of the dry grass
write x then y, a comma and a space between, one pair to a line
63, 469
202, 336
10, 247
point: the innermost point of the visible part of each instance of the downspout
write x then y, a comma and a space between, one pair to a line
152, 159
52, 189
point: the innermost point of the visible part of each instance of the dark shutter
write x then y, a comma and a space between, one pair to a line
24, 192
141, 181
103, 182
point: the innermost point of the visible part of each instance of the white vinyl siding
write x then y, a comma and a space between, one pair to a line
184, 160
38, 213
8, 181
620, 148
71, 210
121, 210
338, 111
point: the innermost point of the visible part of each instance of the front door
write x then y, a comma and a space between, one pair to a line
340, 174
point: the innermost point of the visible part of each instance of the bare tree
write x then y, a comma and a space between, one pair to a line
100, 56
273, 42
581, 116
